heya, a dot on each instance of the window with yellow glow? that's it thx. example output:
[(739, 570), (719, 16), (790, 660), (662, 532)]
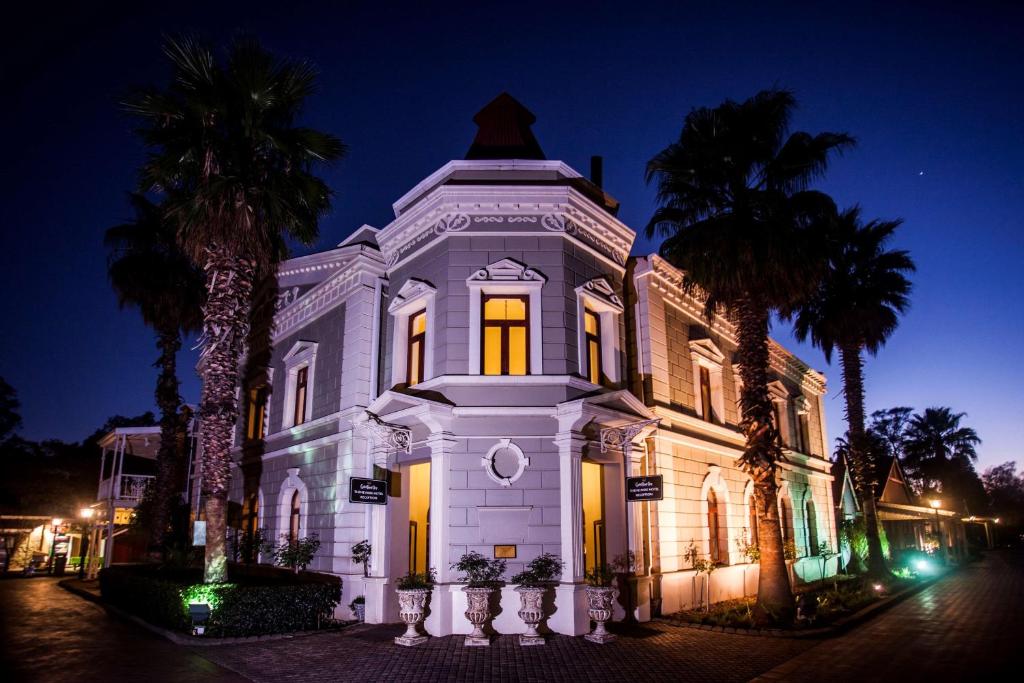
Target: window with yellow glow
[(301, 386), (592, 340), (705, 393), (505, 335), (257, 408), (293, 520), (416, 347)]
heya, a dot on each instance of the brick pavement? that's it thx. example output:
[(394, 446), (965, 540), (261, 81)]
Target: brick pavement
[(967, 627), (47, 634)]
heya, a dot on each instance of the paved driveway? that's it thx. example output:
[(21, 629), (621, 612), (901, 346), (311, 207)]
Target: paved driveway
[(47, 634)]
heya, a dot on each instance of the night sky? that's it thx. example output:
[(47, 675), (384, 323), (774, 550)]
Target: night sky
[(933, 94)]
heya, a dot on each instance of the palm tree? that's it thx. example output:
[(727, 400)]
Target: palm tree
[(856, 308), (237, 170), (148, 271), (740, 220), (938, 450)]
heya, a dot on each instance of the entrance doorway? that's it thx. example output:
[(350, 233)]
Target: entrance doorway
[(419, 518), (594, 528)]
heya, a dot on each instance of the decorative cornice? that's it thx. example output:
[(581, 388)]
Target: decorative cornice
[(708, 350), (412, 290), (602, 290), (506, 270), (318, 300)]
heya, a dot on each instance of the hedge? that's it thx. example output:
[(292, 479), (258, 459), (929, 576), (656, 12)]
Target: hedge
[(237, 609)]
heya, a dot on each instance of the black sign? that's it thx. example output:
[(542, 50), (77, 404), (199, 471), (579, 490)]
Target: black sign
[(644, 488), (370, 491)]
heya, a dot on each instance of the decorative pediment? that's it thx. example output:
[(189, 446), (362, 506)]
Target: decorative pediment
[(300, 348), (413, 290), (506, 270), (801, 405), (706, 350), (778, 391), (601, 289)]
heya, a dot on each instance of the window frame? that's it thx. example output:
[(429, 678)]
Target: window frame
[(506, 277), (257, 400), (598, 296), (414, 296), (505, 326), (302, 355), (412, 338), (593, 338), (705, 354), (301, 392)]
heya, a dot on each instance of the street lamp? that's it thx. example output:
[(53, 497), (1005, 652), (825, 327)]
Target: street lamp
[(936, 504), (55, 522)]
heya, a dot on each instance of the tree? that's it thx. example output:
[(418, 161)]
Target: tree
[(149, 271), (739, 220), (890, 426), (1005, 489), (940, 453), (237, 174), (855, 309), (10, 418)]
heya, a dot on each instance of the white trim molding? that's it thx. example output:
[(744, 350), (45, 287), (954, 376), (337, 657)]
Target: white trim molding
[(506, 276), (779, 395), (522, 462), (415, 295), (290, 485), (597, 295)]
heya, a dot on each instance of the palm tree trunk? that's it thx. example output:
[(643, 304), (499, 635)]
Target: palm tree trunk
[(861, 460), (229, 285), (168, 401), (760, 459)]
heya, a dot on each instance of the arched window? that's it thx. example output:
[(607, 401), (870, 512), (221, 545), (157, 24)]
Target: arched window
[(786, 519), (752, 508), (718, 544), (293, 520), (812, 528)]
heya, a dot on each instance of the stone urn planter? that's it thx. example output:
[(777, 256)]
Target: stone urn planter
[(412, 608), (599, 609), (478, 601), (531, 612)]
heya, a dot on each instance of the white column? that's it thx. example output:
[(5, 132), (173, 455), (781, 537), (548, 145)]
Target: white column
[(377, 584), (439, 621), (570, 617)]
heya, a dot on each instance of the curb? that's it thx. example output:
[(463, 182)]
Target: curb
[(179, 638), (833, 630)]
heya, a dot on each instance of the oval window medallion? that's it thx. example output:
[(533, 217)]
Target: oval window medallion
[(505, 462)]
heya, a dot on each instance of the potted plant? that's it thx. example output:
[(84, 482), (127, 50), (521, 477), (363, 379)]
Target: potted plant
[(533, 582), (413, 590), (358, 607), (361, 553), (600, 594), (482, 576)]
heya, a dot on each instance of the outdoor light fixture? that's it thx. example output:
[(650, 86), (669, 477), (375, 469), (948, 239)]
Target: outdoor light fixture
[(56, 521), (996, 520), (922, 565), (200, 614), (935, 503), (86, 513)]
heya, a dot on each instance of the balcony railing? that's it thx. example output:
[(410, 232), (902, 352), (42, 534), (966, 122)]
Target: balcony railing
[(126, 487)]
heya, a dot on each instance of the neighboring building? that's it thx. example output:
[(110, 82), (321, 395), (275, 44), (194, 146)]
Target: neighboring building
[(486, 352), (909, 522)]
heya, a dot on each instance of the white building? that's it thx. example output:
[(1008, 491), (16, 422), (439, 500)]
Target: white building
[(471, 352)]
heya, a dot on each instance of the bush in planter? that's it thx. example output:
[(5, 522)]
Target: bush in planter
[(413, 589), (601, 576), (413, 580), (479, 571), (533, 582), (541, 572)]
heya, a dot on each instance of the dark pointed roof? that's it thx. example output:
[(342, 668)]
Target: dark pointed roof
[(504, 131)]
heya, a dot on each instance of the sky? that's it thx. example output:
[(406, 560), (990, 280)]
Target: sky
[(931, 91)]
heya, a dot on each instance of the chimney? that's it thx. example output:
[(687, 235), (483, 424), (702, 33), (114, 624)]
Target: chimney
[(597, 171)]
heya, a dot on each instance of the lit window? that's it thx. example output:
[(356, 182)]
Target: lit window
[(592, 339), (506, 335), (804, 427), (753, 521), (257, 410), (705, 394), (777, 416), (416, 346), (293, 520), (714, 529), (812, 529), (301, 386), (786, 519)]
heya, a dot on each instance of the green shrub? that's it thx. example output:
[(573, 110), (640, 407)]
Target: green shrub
[(248, 608)]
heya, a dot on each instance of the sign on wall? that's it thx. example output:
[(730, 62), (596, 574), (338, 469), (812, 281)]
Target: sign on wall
[(644, 488), (199, 532), (368, 491)]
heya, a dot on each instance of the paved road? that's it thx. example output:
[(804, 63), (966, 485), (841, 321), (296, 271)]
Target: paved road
[(967, 627), (47, 634)]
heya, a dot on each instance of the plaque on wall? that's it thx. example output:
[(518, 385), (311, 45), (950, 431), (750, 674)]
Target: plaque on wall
[(644, 488), (368, 491)]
